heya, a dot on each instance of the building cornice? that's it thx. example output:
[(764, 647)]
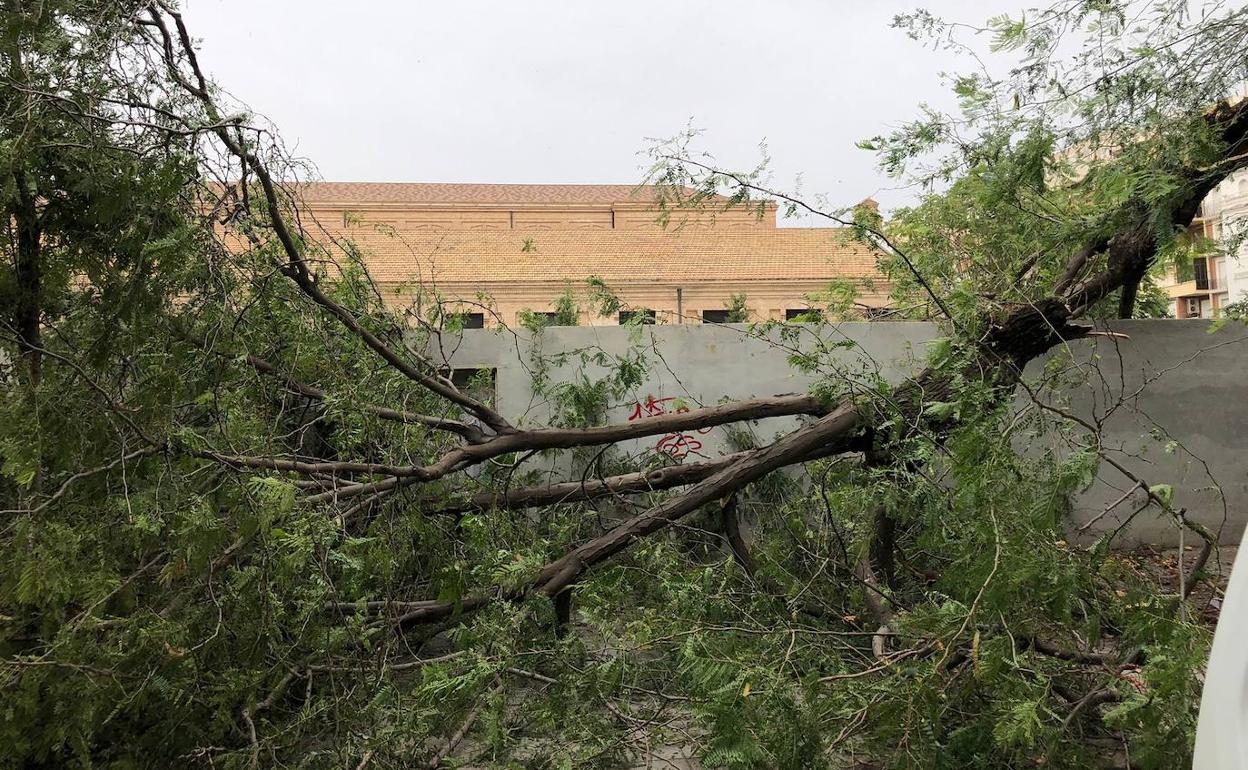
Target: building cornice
[(515, 207)]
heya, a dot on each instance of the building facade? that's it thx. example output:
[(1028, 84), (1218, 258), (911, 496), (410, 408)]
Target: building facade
[(1221, 276), (497, 252)]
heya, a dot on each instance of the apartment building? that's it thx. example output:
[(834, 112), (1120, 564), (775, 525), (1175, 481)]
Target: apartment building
[(1221, 277)]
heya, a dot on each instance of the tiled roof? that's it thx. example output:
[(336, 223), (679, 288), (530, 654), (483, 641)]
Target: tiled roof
[(618, 256), (497, 194)]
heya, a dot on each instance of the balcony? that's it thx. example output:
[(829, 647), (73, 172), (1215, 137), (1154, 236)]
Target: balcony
[(1209, 274), (1210, 283)]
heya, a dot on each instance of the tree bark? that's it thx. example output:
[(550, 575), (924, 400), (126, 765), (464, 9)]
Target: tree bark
[(1126, 300), (563, 612), (29, 274), (590, 489), (731, 523)]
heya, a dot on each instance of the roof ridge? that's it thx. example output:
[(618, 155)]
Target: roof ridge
[(494, 193), (475, 184)]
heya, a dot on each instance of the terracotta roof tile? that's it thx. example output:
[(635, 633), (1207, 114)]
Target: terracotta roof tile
[(618, 256), (501, 194)]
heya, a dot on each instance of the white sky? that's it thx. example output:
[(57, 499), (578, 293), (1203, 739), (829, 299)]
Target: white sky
[(567, 91)]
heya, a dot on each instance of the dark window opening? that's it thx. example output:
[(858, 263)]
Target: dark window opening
[(647, 316), (715, 316), (803, 315), (478, 383), (1200, 266), (473, 320)]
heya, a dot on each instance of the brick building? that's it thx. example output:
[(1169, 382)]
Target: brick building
[(521, 245)]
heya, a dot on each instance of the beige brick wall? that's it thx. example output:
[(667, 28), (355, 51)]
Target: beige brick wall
[(425, 222), (765, 302)]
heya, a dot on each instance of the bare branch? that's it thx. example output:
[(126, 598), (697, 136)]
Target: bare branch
[(296, 268), (470, 433)]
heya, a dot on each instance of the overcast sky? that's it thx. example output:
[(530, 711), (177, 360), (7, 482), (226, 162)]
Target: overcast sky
[(568, 91)]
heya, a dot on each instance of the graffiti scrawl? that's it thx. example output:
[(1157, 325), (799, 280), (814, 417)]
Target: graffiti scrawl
[(675, 445)]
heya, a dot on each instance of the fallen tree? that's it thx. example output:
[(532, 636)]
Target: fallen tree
[(283, 466)]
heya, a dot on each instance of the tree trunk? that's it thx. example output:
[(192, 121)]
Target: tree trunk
[(732, 531)]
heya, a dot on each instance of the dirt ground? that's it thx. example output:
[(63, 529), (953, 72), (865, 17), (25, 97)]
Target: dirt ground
[(1162, 565)]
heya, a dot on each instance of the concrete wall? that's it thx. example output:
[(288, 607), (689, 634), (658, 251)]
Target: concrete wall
[(1172, 397), (1183, 421)]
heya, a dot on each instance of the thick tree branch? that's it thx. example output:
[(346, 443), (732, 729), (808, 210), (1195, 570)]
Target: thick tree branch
[(1131, 251), (542, 439), (732, 532), (836, 433), (589, 489)]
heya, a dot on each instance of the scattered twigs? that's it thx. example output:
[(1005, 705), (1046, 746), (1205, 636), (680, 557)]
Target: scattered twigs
[(1179, 514), (1089, 701), (249, 713), (458, 736), (1202, 558), (406, 665), (1084, 527), (535, 676), (1075, 656), (79, 476), (378, 607), (979, 595), (885, 662), (470, 433)]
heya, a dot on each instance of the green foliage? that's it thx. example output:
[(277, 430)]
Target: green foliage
[(566, 312), (164, 603), (738, 310), (603, 301)]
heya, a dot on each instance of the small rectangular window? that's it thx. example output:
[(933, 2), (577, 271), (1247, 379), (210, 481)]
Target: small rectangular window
[(803, 315), (473, 320), (714, 316), (647, 316), (1201, 268), (540, 317), (478, 383)]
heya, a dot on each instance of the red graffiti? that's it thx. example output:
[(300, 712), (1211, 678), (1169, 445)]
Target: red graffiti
[(676, 445)]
